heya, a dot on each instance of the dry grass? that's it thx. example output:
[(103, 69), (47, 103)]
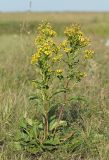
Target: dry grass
[(55, 17)]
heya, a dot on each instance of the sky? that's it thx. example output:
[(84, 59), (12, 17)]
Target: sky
[(54, 5)]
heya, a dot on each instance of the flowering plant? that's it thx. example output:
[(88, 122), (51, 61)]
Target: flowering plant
[(58, 68)]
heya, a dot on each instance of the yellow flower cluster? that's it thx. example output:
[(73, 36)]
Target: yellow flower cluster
[(49, 56), (84, 41), (44, 43), (57, 57), (75, 35), (83, 74), (80, 75), (65, 46), (35, 58), (72, 30), (59, 71), (46, 49), (65, 43), (88, 54), (44, 31)]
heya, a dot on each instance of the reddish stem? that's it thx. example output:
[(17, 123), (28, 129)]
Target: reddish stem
[(62, 108)]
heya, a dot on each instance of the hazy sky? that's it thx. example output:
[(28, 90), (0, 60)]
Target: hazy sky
[(55, 5)]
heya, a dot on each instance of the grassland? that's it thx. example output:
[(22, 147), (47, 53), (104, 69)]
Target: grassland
[(94, 23), (17, 32)]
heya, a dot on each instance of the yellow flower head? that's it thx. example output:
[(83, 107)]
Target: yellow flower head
[(65, 46), (88, 54), (76, 36), (46, 29), (57, 57), (35, 58), (59, 71), (44, 32), (72, 30), (84, 74), (84, 41)]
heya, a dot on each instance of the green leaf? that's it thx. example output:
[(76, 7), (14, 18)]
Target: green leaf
[(53, 141), (17, 146), (29, 121), (52, 118), (57, 92), (55, 124), (40, 126), (77, 98), (23, 123), (34, 149), (51, 144)]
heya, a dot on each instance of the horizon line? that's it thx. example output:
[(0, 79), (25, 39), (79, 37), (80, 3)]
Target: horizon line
[(55, 11)]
